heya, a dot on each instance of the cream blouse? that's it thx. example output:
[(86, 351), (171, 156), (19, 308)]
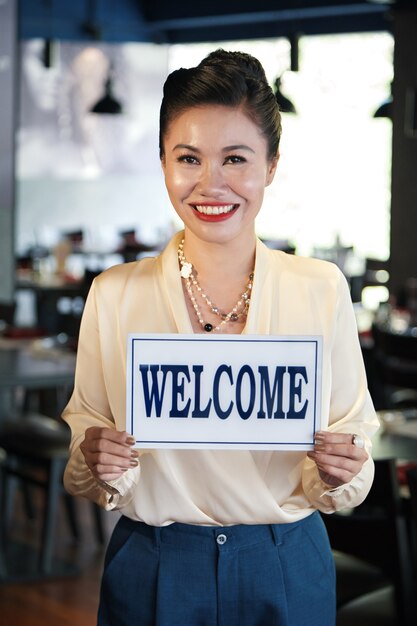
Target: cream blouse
[(291, 295)]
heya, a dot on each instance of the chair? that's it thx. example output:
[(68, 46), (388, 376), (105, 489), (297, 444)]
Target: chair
[(36, 449), (3, 568), (395, 369), (376, 533), (7, 313), (59, 310), (412, 484)]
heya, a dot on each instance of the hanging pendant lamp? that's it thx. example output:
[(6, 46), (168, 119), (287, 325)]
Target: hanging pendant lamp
[(108, 104), (385, 109), (284, 103)]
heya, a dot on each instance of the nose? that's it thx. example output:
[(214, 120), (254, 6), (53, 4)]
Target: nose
[(211, 180)]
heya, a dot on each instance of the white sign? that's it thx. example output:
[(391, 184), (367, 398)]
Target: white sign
[(224, 391)]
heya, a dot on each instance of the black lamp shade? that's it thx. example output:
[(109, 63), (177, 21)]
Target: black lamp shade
[(108, 103), (385, 109), (285, 105)]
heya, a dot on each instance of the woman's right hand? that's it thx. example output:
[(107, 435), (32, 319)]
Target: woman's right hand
[(108, 453)]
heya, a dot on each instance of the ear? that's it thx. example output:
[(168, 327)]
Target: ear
[(272, 168)]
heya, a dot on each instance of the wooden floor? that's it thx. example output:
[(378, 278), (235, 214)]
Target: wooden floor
[(63, 600)]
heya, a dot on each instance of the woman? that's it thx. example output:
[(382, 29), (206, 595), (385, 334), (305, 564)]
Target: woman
[(213, 537)]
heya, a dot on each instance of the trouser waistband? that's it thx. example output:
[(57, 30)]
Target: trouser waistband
[(194, 537)]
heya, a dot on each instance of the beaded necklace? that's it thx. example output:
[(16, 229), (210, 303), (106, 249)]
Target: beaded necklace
[(193, 288)]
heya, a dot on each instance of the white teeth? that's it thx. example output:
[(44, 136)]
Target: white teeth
[(214, 210)]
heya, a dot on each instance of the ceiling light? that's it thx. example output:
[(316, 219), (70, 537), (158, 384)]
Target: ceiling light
[(385, 109), (108, 103), (284, 103), (48, 53)]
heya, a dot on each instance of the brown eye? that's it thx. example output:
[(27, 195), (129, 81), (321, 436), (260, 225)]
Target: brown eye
[(187, 158), (234, 158)]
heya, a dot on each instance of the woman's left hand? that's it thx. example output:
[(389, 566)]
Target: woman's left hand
[(337, 458)]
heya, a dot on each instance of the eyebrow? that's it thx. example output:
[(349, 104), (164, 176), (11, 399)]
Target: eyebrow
[(238, 147), (185, 146)]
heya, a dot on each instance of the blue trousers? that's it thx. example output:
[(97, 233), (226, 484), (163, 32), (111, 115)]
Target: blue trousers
[(184, 575)]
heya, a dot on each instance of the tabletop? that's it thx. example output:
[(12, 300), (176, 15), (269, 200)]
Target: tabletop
[(31, 367), (37, 367), (397, 436)]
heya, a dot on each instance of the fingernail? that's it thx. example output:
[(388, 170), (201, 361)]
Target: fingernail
[(134, 454), (134, 463), (130, 440), (319, 435)]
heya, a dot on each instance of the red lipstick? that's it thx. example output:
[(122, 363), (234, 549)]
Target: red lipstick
[(201, 211)]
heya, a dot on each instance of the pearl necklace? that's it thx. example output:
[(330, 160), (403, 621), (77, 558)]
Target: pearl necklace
[(193, 287)]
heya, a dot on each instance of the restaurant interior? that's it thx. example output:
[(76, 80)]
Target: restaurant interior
[(81, 190)]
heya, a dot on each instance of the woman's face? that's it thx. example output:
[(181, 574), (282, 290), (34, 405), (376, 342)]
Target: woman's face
[(216, 170)]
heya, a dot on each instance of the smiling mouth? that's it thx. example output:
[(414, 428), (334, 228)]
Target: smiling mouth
[(224, 209)]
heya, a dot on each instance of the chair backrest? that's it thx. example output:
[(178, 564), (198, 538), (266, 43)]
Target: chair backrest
[(412, 483), (395, 344), (356, 532), (394, 373), (7, 312), (376, 532)]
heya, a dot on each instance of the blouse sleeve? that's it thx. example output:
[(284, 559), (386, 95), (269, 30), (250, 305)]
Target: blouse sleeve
[(351, 411), (89, 406)]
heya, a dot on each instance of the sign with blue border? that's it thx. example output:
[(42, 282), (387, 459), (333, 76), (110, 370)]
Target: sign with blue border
[(256, 392)]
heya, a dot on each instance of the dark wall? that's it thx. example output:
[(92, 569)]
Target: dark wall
[(403, 257)]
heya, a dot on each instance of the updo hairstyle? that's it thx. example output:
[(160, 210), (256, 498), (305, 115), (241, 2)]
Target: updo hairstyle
[(223, 78)]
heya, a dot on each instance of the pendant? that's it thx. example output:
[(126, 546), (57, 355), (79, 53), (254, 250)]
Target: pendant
[(186, 270), (208, 328)]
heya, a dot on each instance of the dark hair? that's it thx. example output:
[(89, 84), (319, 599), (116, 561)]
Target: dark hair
[(230, 79)]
